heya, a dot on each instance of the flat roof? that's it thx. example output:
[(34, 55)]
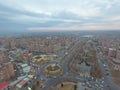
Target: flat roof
[(3, 85)]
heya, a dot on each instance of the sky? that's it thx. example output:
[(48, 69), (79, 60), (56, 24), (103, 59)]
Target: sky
[(35, 15)]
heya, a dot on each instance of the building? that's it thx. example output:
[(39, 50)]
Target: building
[(24, 68), (21, 84), (112, 52), (4, 86), (2, 56), (105, 50), (6, 71), (118, 54)]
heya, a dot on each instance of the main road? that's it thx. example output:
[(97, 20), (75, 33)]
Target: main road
[(63, 62), (109, 83)]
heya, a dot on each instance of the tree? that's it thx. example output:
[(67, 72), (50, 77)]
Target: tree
[(37, 83), (75, 87), (62, 85), (33, 87)]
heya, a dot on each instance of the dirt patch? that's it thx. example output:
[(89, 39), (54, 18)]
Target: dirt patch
[(67, 87)]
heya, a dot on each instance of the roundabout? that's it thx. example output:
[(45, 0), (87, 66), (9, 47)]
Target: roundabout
[(53, 70)]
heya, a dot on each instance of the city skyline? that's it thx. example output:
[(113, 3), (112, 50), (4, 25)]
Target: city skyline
[(54, 15)]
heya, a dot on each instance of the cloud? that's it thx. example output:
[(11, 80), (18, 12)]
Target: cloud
[(62, 14)]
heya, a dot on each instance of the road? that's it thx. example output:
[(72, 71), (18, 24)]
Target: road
[(69, 75), (63, 63), (50, 81), (110, 85)]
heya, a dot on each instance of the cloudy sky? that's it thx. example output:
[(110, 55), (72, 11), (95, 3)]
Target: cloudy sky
[(59, 15)]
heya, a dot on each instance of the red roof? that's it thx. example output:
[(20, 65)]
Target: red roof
[(3, 84), (26, 54), (23, 82)]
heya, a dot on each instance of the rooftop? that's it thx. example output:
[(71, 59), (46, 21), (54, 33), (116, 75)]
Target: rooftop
[(3, 85)]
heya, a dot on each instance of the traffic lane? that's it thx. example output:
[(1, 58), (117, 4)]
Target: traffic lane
[(108, 78)]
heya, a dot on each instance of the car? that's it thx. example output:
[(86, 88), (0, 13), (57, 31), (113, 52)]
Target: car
[(90, 86), (54, 77), (106, 69), (89, 79), (92, 78), (108, 86), (66, 53), (43, 86), (87, 83), (96, 80), (101, 86), (104, 65), (41, 78), (107, 74), (83, 84), (102, 81), (96, 85)]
